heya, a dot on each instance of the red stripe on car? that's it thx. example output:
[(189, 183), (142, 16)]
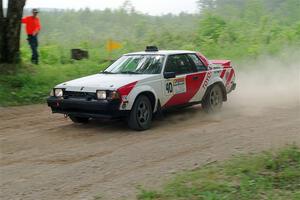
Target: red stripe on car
[(230, 77), (203, 58), (192, 87), (223, 73), (126, 89)]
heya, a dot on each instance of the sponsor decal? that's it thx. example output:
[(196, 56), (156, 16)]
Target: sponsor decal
[(179, 86), (205, 84), (176, 86)]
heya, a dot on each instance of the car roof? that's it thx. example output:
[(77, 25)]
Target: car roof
[(160, 52)]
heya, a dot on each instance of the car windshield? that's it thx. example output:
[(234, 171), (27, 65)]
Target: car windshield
[(136, 64)]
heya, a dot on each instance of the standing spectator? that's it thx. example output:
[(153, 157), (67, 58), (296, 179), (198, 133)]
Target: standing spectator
[(33, 27)]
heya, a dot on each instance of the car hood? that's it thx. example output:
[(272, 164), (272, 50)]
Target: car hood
[(103, 82)]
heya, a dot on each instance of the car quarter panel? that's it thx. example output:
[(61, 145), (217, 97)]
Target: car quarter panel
[(227, 75), (151, 84), (205, 78)]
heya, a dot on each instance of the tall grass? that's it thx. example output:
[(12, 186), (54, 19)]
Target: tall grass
[(29, 84)]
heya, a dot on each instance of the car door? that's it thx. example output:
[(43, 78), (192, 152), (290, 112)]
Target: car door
[(181, 89), (196, 88)]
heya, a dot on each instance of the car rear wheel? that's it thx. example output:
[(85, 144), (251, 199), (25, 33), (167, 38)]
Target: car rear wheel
[(140, 117), (79, 120), (213, 100)]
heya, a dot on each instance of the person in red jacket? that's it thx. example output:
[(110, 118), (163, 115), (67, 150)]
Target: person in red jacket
[(33, 28)]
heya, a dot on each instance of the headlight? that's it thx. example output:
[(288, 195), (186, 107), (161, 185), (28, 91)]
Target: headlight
[(101, 94), (58, 92)]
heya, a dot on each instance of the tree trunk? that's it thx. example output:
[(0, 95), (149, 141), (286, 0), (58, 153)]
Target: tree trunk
[(1, 10), (10, 40), (2, 31)]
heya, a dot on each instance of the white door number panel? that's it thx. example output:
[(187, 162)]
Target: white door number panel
[(175, 86)]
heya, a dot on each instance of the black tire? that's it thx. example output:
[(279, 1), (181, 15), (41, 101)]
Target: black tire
[(79, 120), (213, 99), (140, 117)]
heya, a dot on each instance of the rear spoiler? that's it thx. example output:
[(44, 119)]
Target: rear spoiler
[(224, 63)]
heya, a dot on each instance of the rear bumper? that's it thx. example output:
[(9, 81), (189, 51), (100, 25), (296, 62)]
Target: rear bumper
[(232, 88), (86, 108)]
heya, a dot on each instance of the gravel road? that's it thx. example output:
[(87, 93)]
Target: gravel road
[(45, 156)]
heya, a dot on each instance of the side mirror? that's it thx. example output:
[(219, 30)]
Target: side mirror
[(168, 75)]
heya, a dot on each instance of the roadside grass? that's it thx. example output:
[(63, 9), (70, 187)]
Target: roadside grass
[(267, 175), (25, 83), (29, 84)]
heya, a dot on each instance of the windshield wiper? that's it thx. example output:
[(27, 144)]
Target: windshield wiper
[(129, 72), (106, 72)]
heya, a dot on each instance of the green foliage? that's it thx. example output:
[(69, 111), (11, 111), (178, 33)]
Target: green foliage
[(264, 176), (33, 84), (224, 29), (232, 29), (286, 12), (71, 28), (238, 29)]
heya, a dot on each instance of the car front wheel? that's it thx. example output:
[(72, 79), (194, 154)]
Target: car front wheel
[(140, 117)]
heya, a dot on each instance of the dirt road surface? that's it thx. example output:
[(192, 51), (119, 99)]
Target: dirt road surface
[(45, 156)]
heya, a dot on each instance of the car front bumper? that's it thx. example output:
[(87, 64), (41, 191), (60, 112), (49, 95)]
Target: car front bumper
[(86, 108)]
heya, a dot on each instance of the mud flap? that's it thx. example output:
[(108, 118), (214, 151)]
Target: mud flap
[(232, 88)]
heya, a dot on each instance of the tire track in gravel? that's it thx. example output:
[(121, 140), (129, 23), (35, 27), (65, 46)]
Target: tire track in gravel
[(45, 156)]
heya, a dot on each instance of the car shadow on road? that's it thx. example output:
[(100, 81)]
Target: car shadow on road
[(170, 118)]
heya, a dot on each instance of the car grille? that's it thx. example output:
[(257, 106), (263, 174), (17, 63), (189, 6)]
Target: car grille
[(79, 95)]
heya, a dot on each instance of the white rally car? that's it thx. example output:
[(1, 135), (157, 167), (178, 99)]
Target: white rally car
[(138, 85)]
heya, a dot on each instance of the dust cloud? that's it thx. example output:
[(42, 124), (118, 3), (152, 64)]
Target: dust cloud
[(267, 82)]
